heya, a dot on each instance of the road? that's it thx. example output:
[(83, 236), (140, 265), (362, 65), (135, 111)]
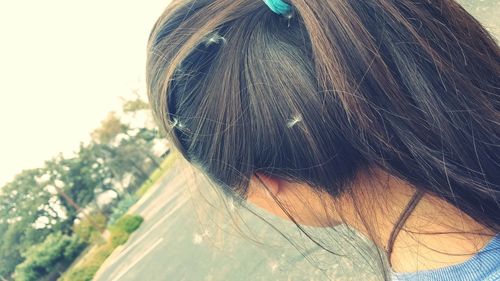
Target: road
[(189, 234)]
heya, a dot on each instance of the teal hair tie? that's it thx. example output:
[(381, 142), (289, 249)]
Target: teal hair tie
[(278, 6)]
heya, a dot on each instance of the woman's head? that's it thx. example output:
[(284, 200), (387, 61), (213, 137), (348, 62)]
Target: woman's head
[(330, 92)]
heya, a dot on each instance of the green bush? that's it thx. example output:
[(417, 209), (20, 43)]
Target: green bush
[(55, 252), (121, 208), (102, 254), (121, 230), (118, 237), (128, 223), (88, 269), (83, 274)]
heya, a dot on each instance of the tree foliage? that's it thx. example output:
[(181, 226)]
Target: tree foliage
[(40, 205), (109, 129), (88, 230), (135, 105), (48, 257)]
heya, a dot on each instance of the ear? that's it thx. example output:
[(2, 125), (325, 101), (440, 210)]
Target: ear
[(262, 192), (287, 199), (268, 183)]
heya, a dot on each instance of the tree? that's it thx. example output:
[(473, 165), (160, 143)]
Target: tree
[(109, 129), (135, 105), (22, 200), (10, 249), (47, 200), (76, 180), (50, 257)]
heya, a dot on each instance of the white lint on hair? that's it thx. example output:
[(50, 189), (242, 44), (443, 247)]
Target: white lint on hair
[(177, 124), (289, 17), (214, 38), (295, 119)]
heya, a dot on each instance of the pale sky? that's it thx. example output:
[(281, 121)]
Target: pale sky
[(63, 66)]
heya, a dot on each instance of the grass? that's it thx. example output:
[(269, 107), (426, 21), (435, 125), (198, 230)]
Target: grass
[(120, 232), (164, 166), (86, 270)]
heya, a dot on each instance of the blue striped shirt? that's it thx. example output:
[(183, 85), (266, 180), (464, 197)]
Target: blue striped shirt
[(483, 266)]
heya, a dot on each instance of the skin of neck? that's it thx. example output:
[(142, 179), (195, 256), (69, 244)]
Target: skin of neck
[(435, 235)]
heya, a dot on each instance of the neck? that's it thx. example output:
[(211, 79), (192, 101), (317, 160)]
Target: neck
[(435, 234)]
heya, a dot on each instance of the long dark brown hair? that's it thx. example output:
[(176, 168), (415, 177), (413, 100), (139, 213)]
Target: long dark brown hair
[(331, 89)]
